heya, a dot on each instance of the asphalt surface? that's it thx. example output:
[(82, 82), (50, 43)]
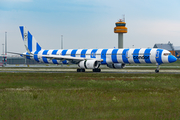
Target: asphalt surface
[(61, 70)]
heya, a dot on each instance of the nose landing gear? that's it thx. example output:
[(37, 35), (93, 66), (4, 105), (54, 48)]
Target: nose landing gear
[(156, 70), (158, 67)]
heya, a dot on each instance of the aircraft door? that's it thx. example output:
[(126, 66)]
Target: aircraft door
[(157, 54), (127, 56)]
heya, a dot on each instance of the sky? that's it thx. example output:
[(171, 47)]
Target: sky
[(89, 23)]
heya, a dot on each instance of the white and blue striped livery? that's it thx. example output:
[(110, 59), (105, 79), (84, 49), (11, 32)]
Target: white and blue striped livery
[(93, 58)]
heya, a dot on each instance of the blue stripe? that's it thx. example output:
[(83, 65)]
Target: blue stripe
[(54, 61), (22, 31), (64, 53), (135, 55), (147, 55), (38, 47), (73, 53), (93, 53), (35, 56), (28, 57), (44, 58), (83, 53), (103, 56), (114, 56), (29, 41), (54, 53), (159, 60), (124, 56), (64, 62)]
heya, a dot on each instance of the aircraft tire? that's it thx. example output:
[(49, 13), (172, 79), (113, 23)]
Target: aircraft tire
[(156, 71), (96, 70), (80, 70)]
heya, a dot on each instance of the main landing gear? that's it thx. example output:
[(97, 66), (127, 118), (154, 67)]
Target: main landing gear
[(157, 69), (80, 70), (83, 70), (97, 70)]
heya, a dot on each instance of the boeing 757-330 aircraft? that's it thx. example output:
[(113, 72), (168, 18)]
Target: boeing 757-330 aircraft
[(93, 58)]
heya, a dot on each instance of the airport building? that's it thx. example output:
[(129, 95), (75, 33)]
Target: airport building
[(175, 50), (14, 59)]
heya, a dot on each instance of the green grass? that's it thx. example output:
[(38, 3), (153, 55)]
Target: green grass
[(89, 96)]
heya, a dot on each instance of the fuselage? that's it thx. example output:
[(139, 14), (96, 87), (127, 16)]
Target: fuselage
[(108, 56)]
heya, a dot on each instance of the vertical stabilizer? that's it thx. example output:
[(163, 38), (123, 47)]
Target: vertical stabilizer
[(30, 42)]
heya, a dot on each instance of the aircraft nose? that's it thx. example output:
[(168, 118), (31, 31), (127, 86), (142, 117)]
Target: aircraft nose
[(172, 59)]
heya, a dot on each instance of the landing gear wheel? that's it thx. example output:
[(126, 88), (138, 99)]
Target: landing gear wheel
[(158, 67), (80, 70), (96, 70), (157, 71)]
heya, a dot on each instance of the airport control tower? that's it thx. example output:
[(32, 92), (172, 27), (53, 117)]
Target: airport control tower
[(120, 29)]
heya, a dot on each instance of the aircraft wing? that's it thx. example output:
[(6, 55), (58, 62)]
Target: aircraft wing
[(59, 57), (69, 58), (30, 55)]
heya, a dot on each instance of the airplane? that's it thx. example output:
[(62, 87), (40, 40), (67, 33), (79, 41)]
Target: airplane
[(93, 58)]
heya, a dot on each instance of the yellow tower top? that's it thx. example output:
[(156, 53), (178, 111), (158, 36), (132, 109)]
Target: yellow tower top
[(120, 27)]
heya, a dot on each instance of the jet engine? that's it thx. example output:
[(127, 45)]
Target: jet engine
[(116, 65), (89, 64)]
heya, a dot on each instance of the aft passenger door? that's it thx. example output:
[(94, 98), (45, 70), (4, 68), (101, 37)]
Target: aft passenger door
[(127, 56), (157, 54)]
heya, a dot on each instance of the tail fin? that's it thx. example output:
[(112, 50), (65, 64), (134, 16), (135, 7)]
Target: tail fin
[(29, 41)]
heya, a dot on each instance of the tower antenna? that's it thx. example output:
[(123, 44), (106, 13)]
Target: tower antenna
[(124, 18)]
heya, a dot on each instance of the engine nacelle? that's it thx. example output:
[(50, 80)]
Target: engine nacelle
[(89, 64), (116, 65)]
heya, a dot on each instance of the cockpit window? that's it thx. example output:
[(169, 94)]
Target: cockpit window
[(166, 54)]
